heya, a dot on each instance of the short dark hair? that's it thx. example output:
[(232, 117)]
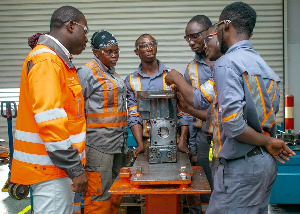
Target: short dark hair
[(214, 28), (202, 20), (242, 17), (64, 14), (145, 34)]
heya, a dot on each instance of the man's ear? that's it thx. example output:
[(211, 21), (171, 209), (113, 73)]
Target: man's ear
[(70, 26), (95, 52), (136, 52), (226, 26)]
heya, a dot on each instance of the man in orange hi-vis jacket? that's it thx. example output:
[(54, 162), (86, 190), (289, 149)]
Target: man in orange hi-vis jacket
[(49, 149)]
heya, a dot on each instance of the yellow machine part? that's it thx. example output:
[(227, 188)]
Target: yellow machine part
[(5, 187)]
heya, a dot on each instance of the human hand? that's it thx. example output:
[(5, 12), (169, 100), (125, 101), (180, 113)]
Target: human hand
[(194, 159), (182, 147), (182, 104), (80, 184), (172, 76), (279, 150), (138, 150)]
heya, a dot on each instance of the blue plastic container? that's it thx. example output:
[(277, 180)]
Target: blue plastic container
[(286, 189)]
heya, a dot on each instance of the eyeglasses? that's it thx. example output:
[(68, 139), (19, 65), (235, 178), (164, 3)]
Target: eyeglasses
[(147, 46), (110, 53), (85, 28), (208, 37), (222, 22), (193, 36)]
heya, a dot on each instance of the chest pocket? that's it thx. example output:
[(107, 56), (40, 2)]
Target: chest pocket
[(76, 102), (107, 98)]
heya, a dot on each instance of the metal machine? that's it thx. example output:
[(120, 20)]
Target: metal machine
[(163, 173), (160, 109)]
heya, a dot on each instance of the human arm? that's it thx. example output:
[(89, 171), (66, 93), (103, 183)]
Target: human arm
[(137, 131), (276, 147), (185, 107), (182, 124), (233, 103), (199, 98), (182, 144), (187, 91), (134, 119), (49, 93)]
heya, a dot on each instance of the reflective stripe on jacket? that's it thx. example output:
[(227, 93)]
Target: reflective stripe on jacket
[(51, 127), (113, 112), (198, 73), (247, 96), (105, 107)]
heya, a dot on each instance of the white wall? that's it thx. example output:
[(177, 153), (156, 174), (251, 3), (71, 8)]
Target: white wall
[(293, 50)]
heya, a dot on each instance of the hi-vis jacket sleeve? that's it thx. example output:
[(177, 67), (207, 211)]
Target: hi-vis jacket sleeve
[(45, 88), (204, 95)]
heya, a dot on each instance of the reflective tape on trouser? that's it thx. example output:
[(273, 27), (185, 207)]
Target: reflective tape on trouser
[(77, 204), (204, 207)]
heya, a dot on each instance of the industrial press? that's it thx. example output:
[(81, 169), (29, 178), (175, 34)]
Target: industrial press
[(163, 173)]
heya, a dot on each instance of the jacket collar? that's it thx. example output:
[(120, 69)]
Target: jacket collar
[(57, 47), (161, 68), (102, 67), (241, 44)]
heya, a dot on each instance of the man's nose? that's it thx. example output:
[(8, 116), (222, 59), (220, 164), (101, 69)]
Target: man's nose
[(191, 42)]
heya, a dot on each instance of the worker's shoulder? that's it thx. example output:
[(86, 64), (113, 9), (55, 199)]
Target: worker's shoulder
[(41, 53), (134, 74), (194, 61), (86, 69)]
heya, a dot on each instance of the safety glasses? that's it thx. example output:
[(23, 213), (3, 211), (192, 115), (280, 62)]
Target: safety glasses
[(194, 36), (110, 53), (222, 22), (208, 37), (85, 28), (147, 46)]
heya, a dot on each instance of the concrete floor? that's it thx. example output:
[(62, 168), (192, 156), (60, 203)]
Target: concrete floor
[(9, 205)]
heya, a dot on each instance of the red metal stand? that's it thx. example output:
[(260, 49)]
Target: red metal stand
[(162, 204)]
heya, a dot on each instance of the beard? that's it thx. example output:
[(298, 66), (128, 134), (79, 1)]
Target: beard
[(200, 53), (222, 44)]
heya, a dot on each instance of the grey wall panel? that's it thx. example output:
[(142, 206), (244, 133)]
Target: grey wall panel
[(165, 20)]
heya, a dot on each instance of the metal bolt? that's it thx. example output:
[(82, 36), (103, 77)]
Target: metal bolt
[(183, 173)]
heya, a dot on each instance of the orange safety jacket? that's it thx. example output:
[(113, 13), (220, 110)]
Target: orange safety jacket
[(51, 127)]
